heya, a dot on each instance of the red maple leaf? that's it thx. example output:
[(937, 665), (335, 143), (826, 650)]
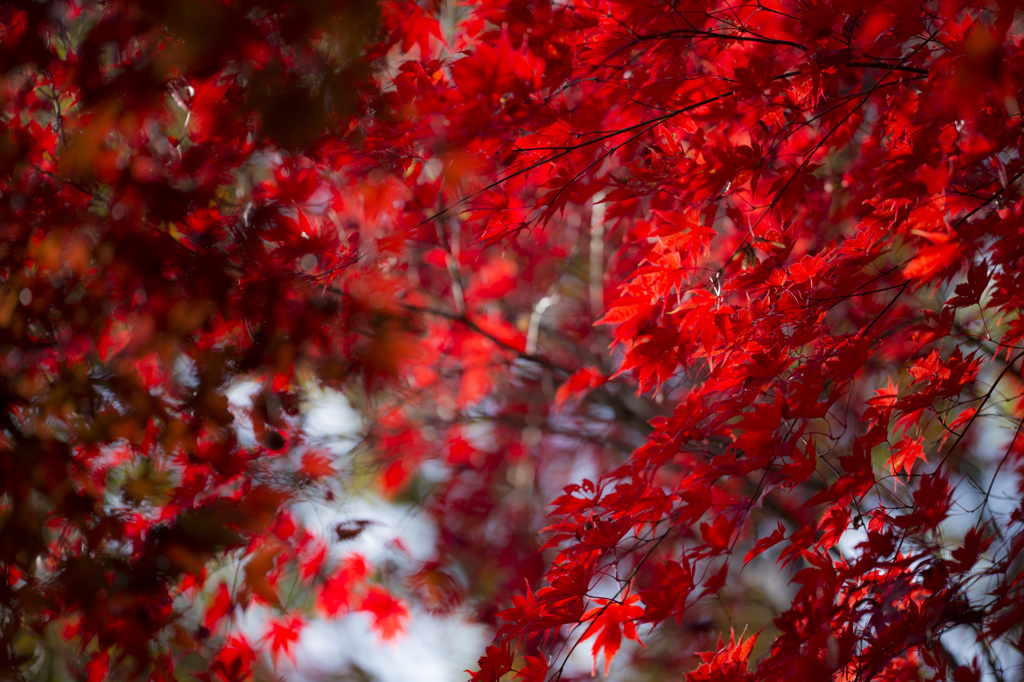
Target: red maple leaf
[(389, 614), (935, 259), (281, 635), (611, 621), (905, 453), (728, 664)]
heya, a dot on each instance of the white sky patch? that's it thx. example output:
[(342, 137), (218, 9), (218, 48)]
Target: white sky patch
[(395, 532), (240, 398), (330, 417)]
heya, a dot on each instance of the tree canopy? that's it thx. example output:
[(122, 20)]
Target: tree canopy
[(693, 327)]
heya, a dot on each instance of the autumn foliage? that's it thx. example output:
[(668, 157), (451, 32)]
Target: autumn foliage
[(694, 328)]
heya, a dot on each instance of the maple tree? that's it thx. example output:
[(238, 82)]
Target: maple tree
[(642, 304)]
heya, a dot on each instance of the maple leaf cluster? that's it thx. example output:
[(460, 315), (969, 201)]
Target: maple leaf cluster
[(673, 319)]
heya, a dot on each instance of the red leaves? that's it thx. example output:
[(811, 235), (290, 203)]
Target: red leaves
[(578, 384), (970, 550), (346, 589), (970, 292), (316, 465), (389, 614), (494, 279), (766, 542), (234, 662), (728, 664), (938, 258), (629, 313), (97, 668), (415, 27), (668, 591), (611, 621), (832, 525), (493, 70), (718, 533), (534, 669), (218, 608), (336, 594), (904, 454), (281, 635), (764, 212), (931, 501), (550, 607), (496, 661)]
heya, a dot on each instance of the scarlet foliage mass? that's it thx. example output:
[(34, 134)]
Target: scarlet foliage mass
[(676, 318)]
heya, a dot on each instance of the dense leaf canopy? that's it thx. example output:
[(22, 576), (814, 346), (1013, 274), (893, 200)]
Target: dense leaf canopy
[(681, 322)]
